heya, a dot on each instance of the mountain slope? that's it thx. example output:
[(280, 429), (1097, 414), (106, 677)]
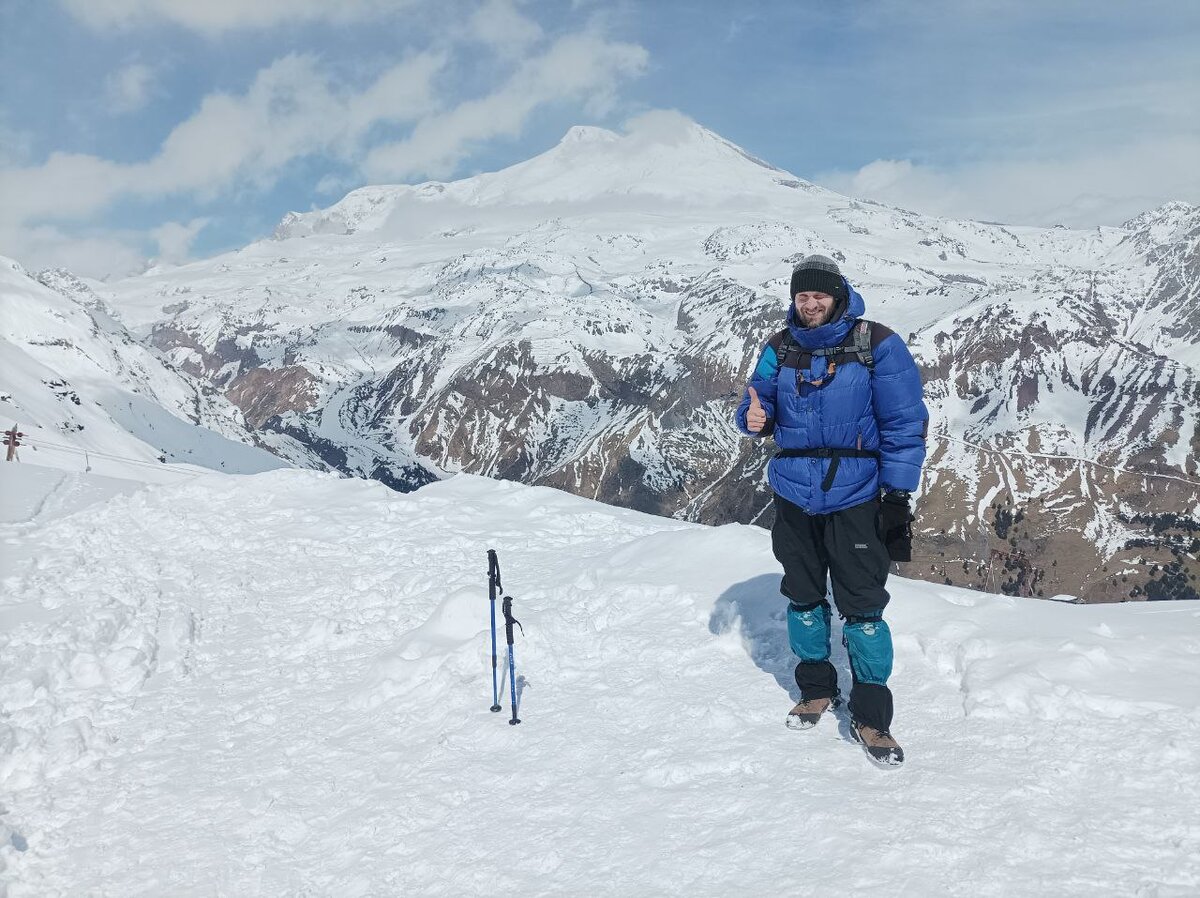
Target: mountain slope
[(586, 320), (87, 395), (299, 666)]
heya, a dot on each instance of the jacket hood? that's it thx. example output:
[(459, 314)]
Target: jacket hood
[(832, 333)]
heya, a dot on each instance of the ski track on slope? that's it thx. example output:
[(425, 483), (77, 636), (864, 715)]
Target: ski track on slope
[(278, 685)]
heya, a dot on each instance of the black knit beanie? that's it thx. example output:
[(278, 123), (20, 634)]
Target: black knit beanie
[(822, 275)]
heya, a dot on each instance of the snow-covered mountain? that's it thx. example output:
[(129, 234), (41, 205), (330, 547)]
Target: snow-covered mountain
[(586, 319), (298, 666), (87, 395)]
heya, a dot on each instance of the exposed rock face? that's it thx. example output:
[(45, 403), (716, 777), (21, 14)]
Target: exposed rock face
[(594, 336), (263, 393)]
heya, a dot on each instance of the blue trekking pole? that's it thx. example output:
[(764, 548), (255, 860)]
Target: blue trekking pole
[(493, 587), (509, 620)]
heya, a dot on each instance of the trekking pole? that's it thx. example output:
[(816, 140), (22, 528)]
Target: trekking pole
[(509, 620), (493, 587)]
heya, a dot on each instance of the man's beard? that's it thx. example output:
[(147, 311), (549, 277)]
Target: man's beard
[(820, 320)]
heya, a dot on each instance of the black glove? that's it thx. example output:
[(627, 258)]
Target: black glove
[(895, 525)]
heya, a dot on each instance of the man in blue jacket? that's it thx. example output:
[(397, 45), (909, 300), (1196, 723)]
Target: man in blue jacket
[(842, 397)]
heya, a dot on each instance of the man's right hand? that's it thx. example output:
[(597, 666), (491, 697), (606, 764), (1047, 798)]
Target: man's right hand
[(756, 416)]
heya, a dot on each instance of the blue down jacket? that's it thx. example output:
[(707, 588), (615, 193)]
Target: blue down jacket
[(857, 408)]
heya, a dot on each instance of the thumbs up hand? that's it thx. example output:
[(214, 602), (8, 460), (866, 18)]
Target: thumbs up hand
[(756, 416)]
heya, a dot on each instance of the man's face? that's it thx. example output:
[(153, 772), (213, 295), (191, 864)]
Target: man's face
[(813, 308)]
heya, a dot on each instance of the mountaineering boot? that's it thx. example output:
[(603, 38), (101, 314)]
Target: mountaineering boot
[(879, 744), (806, 714)]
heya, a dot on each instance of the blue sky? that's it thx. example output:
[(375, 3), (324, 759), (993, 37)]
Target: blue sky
[(179, 128)]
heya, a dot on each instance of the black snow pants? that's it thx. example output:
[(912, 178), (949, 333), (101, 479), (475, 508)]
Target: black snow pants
[(848, 547)]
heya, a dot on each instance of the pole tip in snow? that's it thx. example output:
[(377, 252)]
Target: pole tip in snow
[(495, 707)]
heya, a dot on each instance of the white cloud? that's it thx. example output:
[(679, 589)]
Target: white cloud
[(292, 109), (1106, 185), (1077, 145), (109, 255), (216, 16), (67, 185), (501, 26), (130, 88), (401, 94), (660, 126), (579, 67), (103, 255), (334, 184), (175, 239)]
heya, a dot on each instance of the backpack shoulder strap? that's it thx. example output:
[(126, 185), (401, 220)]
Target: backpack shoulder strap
[(862, 345), (785, 347), (877, 333)]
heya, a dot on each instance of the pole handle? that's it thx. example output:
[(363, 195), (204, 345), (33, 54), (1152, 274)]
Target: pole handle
[(509, 620), (494, 570)]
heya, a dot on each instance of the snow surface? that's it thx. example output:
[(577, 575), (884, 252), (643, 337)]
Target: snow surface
[(278, 684)]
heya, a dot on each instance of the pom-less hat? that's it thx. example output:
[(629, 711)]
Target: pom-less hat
[(819, 274)]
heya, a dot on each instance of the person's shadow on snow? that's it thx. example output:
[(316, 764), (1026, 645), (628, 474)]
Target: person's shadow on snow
[(759, 610)]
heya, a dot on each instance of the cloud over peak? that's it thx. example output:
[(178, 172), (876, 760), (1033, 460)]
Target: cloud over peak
[(580, 67)]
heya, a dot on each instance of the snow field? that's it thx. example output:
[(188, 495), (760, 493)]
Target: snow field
[(279, 685)]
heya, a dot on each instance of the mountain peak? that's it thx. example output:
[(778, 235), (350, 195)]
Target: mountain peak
[(661, 154), (1168, 218), (661, 128), (588, 134)]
